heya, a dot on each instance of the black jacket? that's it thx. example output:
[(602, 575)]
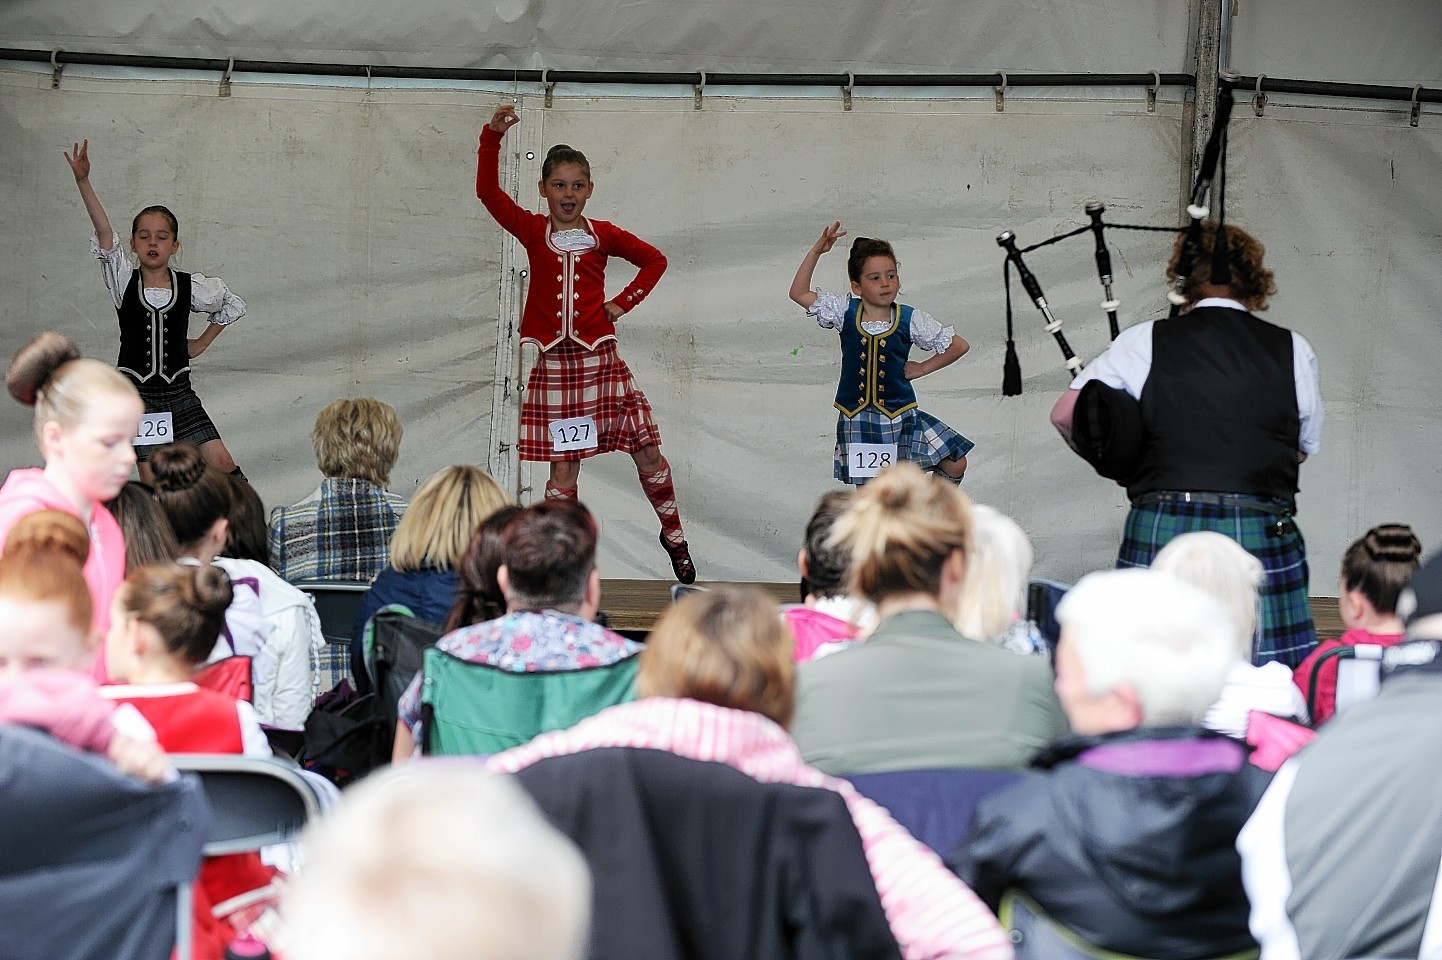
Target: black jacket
[(696, 860), (1128, 840)]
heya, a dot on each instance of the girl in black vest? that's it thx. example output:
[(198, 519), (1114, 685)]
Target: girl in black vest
[(154, 303)]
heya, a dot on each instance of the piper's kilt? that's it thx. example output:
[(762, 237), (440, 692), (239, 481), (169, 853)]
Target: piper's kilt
[(570, 381), (1286, 633), (919, 437), (188, 416)]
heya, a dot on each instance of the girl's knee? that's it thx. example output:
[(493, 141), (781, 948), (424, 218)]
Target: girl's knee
[(648, 459), (218, 456)]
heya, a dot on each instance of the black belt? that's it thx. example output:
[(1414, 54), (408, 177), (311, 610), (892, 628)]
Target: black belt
[(1277, 508)]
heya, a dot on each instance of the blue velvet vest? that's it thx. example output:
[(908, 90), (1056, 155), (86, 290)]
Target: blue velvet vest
[(872, 367)]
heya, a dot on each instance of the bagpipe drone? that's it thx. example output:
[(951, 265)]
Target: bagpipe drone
[(1213, 158)]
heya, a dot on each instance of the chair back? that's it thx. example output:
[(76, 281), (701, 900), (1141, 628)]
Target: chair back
[(255, 802), (1036, 935), (935, 806), (94, 865), (230, 676), (396, 642), (338, 604), (475, 708), (1042, 597), (1359, 676)]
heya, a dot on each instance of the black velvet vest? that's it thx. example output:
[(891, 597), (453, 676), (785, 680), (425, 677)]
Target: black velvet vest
[(153, 341)]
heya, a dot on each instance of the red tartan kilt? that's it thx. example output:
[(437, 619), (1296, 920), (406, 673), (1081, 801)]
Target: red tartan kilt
[(570, 381)]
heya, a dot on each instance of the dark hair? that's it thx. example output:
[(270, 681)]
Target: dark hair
[(478, 595), (164, 212), (826, 564), (1251, 282), (192, 493), (549, 550), (185, 603), (248, 536), (148, 535), (36, 363), (1382, 563), (863, 249), (564, 153)]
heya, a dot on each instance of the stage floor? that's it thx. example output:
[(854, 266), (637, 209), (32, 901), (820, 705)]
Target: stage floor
[(633, 605)]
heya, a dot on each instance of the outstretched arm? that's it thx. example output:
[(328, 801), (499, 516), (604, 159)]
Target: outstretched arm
[(801, 292), (80, 166), (954, 351), (514, 220)]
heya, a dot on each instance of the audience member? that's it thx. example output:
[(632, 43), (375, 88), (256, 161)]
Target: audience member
[(1341, 857), (445, 862), (717, 682), (268, 620), (85, 417), (1375, 569), (917, 694), (992, 605), (148, 537), (552, 590), (828, 619), (1128, 838), (1219, 567), (342, 530), (246, 535), (427, 548), (478, 592)]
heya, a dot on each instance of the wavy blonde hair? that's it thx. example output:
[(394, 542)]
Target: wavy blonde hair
[(357, 438), (443, 516)]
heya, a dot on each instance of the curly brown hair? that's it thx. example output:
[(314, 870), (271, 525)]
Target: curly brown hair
[(1251, 283)]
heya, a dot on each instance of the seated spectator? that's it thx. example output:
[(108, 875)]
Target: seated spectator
[(828, 619), (342, 530), (46, 648), (1128, 838), (478, 592), (1375, 569), (381, 882), (1219, 567), (548, 575), (148, 537), (917, 694), (1341, 857), (717, 682), (992, 605), (428, 545), (268, 620), (246, 536)]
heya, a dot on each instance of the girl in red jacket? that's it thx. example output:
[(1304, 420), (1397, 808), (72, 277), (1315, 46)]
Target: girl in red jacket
[(581, 399)]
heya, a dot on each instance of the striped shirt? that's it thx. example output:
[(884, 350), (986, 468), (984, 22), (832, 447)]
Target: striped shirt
[(932, 913)]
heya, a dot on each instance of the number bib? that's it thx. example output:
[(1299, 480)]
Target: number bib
[(869, 459), (155, 428), (578, 433)]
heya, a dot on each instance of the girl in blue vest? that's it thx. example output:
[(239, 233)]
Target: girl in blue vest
[(154, 303), (877, 403)]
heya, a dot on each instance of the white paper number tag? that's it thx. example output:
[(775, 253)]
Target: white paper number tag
[(155, 428), (578, 433), (869, 459)]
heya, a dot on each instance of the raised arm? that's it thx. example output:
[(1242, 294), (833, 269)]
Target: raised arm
[(801, 292), (80, 166), (509, 214)]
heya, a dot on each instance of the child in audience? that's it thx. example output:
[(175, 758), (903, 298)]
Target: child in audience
[(875, 396), (247, 536), (1374, 571), (829, 619), (478, 591), (86, 414), (46, 648), (992, 606), (580, 389), (148, 537), (154, 302)]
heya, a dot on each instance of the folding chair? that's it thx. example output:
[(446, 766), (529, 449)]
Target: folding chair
[(475, 708), (94, 865), (338, 604), (935, 806), (1042, 596), (1036, 935), (1359, 675), (254, 802)]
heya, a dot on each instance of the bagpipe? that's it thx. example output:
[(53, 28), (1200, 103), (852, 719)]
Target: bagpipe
[(1190, 254)]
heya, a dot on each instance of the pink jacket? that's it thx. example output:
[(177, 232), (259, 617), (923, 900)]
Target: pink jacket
[(28, 491)]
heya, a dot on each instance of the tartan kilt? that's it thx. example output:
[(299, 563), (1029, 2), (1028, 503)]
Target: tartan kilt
[(571, 381), (188, 416), (1286, 631), (919, 437)]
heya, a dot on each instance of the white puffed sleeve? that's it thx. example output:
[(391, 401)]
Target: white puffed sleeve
[(115, 266), (211, 295), (928, 333), (829, 309)]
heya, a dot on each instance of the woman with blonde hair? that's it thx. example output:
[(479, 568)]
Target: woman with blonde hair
[(918, 694), (427, 549), (992, 606), (717, 684)]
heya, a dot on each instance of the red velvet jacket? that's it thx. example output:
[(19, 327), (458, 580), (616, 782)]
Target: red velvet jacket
[(567, 294)]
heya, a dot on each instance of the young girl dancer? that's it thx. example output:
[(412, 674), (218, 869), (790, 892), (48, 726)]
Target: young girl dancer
[(875, 397), (154, 303), (1375, 569), (580, 399), (86, 414)]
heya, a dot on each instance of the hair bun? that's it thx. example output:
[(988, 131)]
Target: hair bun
[(205, 589), (36, 363), (177, 466), (49, 531), (1393, 543)]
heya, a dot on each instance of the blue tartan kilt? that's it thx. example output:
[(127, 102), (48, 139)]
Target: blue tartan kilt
[(1285, 633), (919, 437)]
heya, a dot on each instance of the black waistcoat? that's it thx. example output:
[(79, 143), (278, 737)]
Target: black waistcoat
[(153, 340)]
